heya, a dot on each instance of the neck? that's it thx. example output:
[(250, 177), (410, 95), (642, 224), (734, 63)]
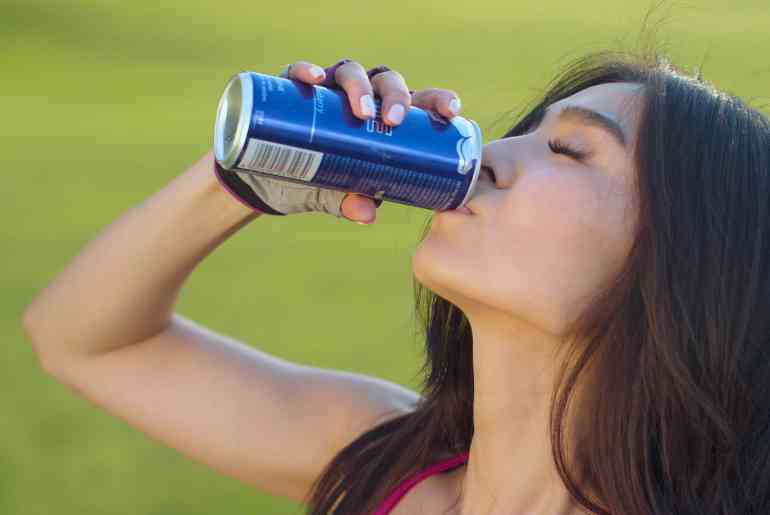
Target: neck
[(510, 468)]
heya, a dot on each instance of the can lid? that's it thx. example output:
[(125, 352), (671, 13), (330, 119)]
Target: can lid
[(233, 118), (475, 157)]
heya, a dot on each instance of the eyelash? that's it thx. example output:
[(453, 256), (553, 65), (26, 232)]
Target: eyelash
[(557, 147)]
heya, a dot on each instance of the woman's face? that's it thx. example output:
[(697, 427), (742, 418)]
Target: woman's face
[(548, 230)]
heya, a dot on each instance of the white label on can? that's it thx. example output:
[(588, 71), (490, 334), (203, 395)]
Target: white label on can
[(278, 159)]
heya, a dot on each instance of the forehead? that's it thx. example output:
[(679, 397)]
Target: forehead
[(621, 101)]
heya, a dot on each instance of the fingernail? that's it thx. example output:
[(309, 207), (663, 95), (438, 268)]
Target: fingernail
[(454, 106), (367, 105), (316, 71), (396, 113)]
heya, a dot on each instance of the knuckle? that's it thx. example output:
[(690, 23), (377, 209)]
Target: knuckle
[(353, 75), (352, 68), (394, 75), (357, 66), (389, 77), (300, 65), (391, 84)]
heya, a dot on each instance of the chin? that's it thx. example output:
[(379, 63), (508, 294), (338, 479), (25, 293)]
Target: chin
[(436, 267), (422, 261)]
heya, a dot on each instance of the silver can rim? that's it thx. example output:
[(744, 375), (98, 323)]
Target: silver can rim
[(230, 135), (476, 171)]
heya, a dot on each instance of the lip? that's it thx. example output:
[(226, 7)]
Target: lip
[(463, 210)]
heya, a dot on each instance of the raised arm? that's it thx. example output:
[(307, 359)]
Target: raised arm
[(106, 327)]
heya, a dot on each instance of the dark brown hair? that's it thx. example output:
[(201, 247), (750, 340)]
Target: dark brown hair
[(678, 344)]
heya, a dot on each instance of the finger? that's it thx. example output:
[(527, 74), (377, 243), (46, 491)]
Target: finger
[(353, 79), (303, 71), (443, 101), (396, 100), (358, 208)]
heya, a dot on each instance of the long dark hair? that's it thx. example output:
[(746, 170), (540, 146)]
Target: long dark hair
[(677, 345)]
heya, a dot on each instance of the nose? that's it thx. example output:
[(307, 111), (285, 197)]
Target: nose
[(497, 159)]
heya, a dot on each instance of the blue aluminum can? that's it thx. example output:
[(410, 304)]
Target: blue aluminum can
[(289, 130)]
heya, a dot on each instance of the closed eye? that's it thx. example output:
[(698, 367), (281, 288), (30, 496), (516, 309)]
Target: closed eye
[(557, 147)]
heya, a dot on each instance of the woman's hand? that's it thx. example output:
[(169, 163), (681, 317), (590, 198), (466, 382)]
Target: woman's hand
[(391, 87)]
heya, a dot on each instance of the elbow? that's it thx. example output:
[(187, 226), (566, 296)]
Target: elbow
[(30, 329)]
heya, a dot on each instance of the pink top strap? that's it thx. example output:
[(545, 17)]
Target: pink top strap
[(407, 485)]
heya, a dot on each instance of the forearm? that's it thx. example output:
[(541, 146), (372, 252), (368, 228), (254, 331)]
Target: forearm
[(122, 287)]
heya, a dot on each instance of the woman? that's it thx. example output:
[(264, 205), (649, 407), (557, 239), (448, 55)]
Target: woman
[(597, 338)]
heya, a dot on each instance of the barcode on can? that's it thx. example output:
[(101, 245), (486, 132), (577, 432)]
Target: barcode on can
[(278, 159)]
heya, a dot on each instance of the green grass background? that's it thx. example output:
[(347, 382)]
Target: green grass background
[(104, 102)]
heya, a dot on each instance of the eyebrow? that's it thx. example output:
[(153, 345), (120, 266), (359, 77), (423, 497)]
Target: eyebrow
[(595, 119)]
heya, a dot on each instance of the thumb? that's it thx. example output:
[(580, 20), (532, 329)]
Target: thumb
[(358, 208)]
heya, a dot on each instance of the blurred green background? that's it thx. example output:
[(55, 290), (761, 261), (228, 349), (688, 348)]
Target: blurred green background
[(104, 102)]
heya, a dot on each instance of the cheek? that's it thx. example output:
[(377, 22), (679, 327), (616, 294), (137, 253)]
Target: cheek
[(559, 238), (550, 216), (540, 251)]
